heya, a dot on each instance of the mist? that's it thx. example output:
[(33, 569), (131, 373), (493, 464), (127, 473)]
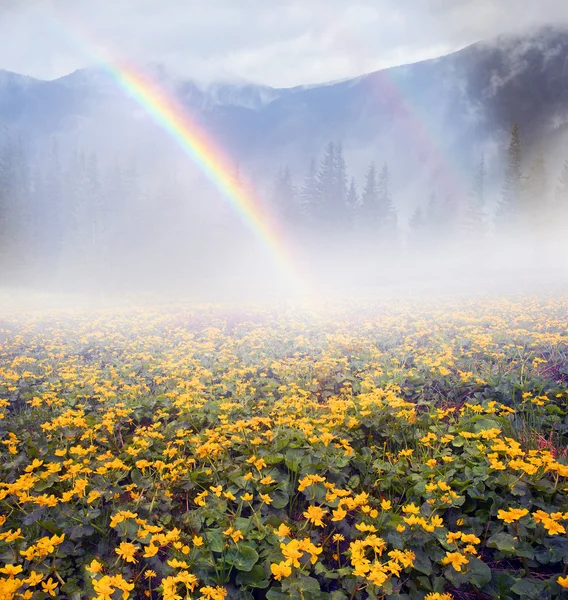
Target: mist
[(425, 178)]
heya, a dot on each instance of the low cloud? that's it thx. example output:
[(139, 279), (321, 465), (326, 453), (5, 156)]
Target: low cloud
[(279, 43)]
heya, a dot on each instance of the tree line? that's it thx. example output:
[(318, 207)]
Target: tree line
[(71, 212)]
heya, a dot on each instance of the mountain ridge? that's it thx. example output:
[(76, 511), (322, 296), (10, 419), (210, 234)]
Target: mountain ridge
[(416, 116)]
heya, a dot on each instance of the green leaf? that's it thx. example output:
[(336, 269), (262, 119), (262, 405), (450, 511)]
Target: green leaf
[(242, 556), (215, 540), (277, 595), (255, 578), (294, 458), (422, 563), (308, 584), (80, 531), (503, 542), (354, 482), (528, 588), (279, 499), (478, 572)]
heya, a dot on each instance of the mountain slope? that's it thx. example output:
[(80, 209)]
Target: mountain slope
[(435, 116)]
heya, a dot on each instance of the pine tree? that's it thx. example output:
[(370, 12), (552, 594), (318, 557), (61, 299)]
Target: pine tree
[(309, 195), (284, 197), (509, 207), (418, 230), (386, 211), (370, 215), (339, 197), (433, 218), (352, 202), (53, 211), (15, 210), (536, 205), (324, 209), (473, 224)]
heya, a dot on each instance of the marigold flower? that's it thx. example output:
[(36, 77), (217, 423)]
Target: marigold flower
[(49, 587), (279, 570), (512, 515), (456, 559), (126, 551), (315, 515), (282, 531)]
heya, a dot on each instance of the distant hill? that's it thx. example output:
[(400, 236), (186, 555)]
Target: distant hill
[(433, 117)]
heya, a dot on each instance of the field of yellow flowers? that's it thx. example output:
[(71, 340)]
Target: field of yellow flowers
[(409, 451)]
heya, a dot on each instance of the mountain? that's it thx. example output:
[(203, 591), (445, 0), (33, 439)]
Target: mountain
[(433, 117)]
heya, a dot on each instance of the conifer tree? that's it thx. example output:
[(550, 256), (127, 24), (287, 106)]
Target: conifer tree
[(473, 224), (386, 211), (339, 197), (284, 196), (309, 195), (509, 206), (326, 188), (536, 205), (352, 202), (418, 226), (370, 212)]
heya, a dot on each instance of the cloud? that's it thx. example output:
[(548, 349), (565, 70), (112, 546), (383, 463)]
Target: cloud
[(277, 42)]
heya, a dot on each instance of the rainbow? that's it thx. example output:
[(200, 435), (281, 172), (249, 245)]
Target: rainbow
[(173, 118), (168, 113)]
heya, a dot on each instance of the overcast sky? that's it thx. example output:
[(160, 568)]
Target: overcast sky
[(276, 42)]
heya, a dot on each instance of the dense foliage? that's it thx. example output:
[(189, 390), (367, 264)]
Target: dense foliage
[(402, 451)]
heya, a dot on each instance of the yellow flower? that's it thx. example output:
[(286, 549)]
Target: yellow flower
[(177, 564), (246, 497), (512, 515), (292, 552), (338, 514), (265, 498), (34, 578), (49, 586), (151, 550), (216, 490), (197, 541), (11, 570), (234, 534), (126, 551), (200, 498), (366, 527), (282, 530), (315, 515), (386, 504), (282, 569), (94, 567), (563, 581), (553, 527), (456, 559), (411, 508)]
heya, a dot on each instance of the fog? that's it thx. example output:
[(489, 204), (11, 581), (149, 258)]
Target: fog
[(108, 209)]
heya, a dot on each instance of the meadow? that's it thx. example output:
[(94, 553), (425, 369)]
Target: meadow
[(409, 450)]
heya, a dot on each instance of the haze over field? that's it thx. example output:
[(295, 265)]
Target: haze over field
[(182, 149)]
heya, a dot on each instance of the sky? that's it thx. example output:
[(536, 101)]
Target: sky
[(280, 43)]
